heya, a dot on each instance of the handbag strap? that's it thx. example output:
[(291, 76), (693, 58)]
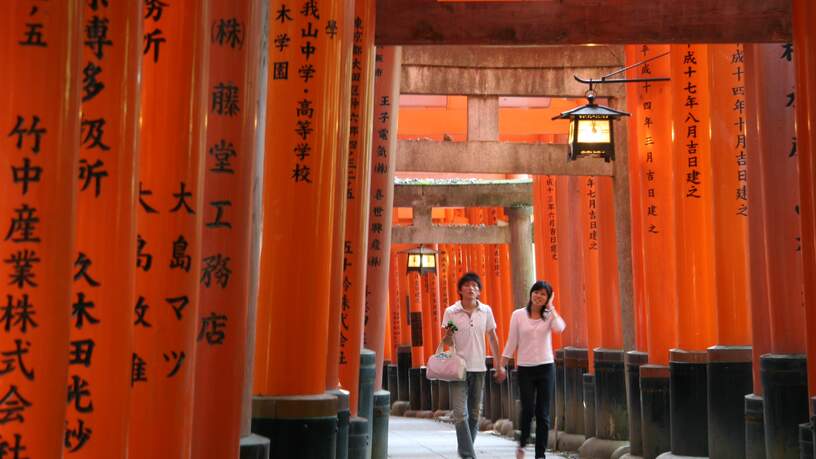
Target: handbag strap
[(441, 347)]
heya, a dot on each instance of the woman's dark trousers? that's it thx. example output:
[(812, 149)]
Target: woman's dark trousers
[(536, 385)]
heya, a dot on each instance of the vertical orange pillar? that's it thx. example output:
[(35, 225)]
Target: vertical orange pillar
[(234, 43), (345, 22), (405, 296), (653, 121), (169, 223), (609, 317), (39, 145), (729, 190), (590, 248), (428, 319), (386, 112), (693, 193), (565, 298), (549, 225), (444, 277), (100, 348), (416, 319), (394, 305), (357, 200), (803, 15), (572, 297)]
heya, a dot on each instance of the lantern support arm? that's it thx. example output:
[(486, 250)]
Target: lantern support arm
[(606, 78)]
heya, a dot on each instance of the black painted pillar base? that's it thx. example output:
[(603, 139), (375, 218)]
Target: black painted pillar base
[(403, 365), (558, 408), (343, 416), (379, 435), (589, 404), (813, 423), (365, 400), (487, 401), (444, 395), (689, 402), (611, 413), (806, 441), (297, 426), (754, 427), (515, 396), (575, 365), (729, 381), (359, 441), (424, 390), (414, 390), (384, 382), (435, 395), (633, 361), (506, 400), (784, 385), (655, 409), (254, 447), (393, 381)]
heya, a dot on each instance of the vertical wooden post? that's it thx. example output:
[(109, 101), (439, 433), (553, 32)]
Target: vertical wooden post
[(100, 349), (169, 222), (39, 146), (234, 46), (590, 249)]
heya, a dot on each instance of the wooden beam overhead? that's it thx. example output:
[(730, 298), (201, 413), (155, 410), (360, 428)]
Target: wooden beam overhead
[(493, 158), (450, 234), (428, 22), (510, 194)]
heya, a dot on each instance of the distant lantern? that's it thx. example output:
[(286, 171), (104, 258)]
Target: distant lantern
[(590, 130), (422, 260)]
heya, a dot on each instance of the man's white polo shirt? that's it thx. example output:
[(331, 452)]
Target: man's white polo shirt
[(470, 338)]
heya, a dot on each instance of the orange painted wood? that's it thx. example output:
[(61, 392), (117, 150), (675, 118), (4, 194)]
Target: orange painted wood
[(730, 174), (652, 123), (429, 318), (357, 200), (548, 189), (759, 295), (611, 336), (416, 320), (803, 15), (771, 78), (39, 148), (100, 350), (405, 295), (302, 110), (234, 47), (637, 207), (174, 100), (590, 252), (394, 307), (691, 148), (386, 112), (570, 300), (346, 19)]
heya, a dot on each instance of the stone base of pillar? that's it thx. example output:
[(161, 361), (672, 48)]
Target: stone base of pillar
[(384, 382), (424, 390), (611, 413), (506, 401), (633, 361), (379, 435), (806, 441), (302, 426), (784, 384), (569, 442), (599, 448), (365, 401), (729, 380), (560, 399), (495, 396), (358, 438), (435, 395), (254, 447), (589, 406), (403, 367), (393, 381), (689, 402), (515, 395), (654, 409), (414, 390), (343, 416), (444, 395), (754, 427), (575, 365)]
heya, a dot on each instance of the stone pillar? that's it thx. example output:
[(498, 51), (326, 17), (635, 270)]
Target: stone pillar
[(754, 427), (483, 118), (521, 252)]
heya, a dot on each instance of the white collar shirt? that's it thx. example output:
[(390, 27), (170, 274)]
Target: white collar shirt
[(469, 340)]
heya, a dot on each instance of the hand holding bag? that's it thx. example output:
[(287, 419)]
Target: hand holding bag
[(446, 366)]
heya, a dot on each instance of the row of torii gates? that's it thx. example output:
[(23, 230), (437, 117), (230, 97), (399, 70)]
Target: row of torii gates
[(191, 201)]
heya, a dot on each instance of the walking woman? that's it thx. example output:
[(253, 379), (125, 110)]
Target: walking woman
[(531, 335)]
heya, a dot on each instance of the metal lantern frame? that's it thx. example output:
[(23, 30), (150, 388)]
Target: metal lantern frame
[(421, 259)]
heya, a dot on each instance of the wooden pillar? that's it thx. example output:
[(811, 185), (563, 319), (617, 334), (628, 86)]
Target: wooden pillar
[(39, 146), (100, 349), (225, 253), (386, 112), (175, 95), (611, 333), (549, 241), (590, 250)]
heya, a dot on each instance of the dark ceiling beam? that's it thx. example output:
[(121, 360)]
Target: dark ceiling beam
[(428, 22)]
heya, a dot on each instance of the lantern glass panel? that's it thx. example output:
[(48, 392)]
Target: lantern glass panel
[(594, 131), (414, 261), (429, 261)]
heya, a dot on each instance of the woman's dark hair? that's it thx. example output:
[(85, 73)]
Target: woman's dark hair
[(468, 277), (539, 285)]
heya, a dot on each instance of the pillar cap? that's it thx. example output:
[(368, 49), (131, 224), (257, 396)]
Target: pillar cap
[(654, 371), (576, 353), (783, 362), (342, 398), (730, 354), (607, 355), (294, 406), (636, 358), (684, 356)]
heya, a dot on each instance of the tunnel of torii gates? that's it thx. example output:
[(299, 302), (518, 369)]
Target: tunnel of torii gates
[(206, 205)]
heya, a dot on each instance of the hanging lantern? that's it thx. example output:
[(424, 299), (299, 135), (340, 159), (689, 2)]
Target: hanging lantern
[(590, 131), (422, 260)]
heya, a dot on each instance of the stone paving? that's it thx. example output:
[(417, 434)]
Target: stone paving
[(413, 438)]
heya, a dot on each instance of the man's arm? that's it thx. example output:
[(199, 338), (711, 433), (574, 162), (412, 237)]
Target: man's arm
[(493, 339)]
